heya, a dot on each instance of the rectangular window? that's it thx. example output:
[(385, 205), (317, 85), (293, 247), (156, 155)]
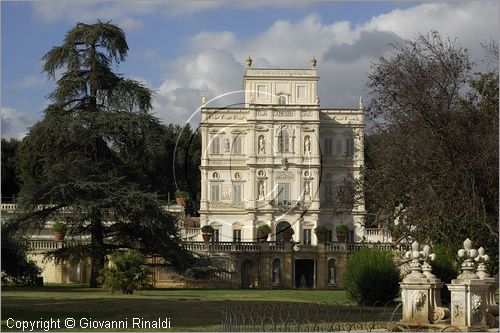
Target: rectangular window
[(349, 147), (301, 92), (328, 193), (237, 197), (237, 235), (328, 146), (283, 142), (238, 145), (261, 91), (329, 236), (284, 194), (215, 145), (307, 236), (215, 236), (215, 192), (350, 236)]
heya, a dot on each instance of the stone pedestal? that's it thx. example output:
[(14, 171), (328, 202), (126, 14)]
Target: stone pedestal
[(469, 303), (490, 298), (421, 300)]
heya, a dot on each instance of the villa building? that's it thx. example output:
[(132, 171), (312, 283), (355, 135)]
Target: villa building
[(278, 160)]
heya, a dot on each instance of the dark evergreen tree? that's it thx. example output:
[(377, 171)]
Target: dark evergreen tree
[(10, 174), (91, 153)]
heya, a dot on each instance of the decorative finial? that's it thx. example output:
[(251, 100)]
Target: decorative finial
[(427, 257), (203, 101), (415, 255), (468, 253), (482, 258), (313, 62), (249, 62), (361, 102)]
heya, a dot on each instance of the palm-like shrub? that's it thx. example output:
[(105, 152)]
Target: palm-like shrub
[(129, 272), (371, 276)]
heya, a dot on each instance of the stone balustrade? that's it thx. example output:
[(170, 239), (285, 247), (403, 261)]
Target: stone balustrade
[(374, 235)]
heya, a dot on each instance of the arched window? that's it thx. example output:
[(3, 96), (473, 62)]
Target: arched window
[(280, 227), (282, 100)]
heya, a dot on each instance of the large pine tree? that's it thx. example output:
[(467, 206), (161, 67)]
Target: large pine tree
[(89, 155)]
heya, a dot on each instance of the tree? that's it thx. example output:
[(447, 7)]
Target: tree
[(10, 175), (433, 153), (86, 161)]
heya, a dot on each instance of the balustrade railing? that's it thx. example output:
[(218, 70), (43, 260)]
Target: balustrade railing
[(50, 244), (377, 235)]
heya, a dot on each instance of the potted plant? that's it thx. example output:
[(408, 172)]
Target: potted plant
[(321, 232), (60, 231), (181, 197), (262, 232), (206, 232), (341, 232), (287, 234)]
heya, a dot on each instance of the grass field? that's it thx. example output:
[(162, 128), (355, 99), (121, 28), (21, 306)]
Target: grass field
[(188, 309)]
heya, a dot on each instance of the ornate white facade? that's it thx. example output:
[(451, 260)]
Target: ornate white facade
[(280, 158)]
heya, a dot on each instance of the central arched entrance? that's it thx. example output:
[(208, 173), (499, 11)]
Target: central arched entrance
[(247, 274), (280, 227)]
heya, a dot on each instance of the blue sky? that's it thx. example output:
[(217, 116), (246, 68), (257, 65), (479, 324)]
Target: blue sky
[(184, 50)]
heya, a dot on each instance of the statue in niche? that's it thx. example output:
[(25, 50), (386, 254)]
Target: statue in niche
[(307, 145), (226, 145), (276, 275), (303, 281), (261, 190), (332, 275), (307, 190), (262, 145)]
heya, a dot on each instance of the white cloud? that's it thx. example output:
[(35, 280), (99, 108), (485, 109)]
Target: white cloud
[(129, 23), (214, 60), (52, 11), (15, 124)]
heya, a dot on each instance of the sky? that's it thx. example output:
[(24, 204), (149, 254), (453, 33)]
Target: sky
[(185, 49)]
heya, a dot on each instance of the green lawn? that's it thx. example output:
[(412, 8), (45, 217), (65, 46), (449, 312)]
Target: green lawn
[(188, 309)]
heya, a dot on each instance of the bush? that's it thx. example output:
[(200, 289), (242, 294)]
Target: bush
[(17, 268), (182, 194), (321, 230), (445, 267), (128, 274), (264, 230), (207, 229), (371, 276), (341, 230), (60, 227)]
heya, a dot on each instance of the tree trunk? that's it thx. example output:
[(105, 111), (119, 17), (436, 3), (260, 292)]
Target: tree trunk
[(97, 250)]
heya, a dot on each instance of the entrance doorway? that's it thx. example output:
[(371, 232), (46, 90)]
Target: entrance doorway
[(304, 273), (247, 274)]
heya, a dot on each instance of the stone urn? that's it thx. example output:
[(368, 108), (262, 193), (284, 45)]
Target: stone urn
[(206, 237)]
